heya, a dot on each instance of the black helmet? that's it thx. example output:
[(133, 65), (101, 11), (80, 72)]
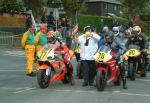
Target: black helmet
[(109, 37)]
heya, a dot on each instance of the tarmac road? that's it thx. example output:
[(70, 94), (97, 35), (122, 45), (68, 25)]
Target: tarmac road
[(16, 87)]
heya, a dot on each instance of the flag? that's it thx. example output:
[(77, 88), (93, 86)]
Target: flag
[(33, 22), (75, 27)]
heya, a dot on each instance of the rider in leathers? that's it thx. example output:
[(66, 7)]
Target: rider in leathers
[(137, 39), (117, 46), (61, 49)]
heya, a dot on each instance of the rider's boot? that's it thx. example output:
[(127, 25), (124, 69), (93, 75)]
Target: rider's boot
[(124, 83)]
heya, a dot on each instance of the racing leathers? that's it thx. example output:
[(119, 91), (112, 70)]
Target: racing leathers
[(118, 47)]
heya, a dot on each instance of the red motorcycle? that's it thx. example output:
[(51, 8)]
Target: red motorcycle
[(107, 70), (53, 67)]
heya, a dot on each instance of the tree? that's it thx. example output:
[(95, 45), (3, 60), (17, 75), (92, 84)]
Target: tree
[(73, 7), (35, 5), (10, 6), (54, 3), (133, 7)]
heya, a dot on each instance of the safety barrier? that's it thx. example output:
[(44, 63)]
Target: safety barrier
[(8, 38)]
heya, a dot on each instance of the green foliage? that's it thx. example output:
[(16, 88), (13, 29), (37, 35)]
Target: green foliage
[(84, 20), (10, 6), (34, 5), (95, 20), (54, 3), (134, 6), (73, 7)]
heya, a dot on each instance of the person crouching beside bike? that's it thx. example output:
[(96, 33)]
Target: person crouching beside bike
[(88, 46), (118, 47)]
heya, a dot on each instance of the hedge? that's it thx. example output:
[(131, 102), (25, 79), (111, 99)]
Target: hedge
[(93, 20)]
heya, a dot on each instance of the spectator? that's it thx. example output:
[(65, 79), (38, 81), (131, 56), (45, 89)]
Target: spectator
[(67, 23), (28, 44), (88, 46), (101, 25), (29, 22), (43, 18), (50, 22), (105, 31), (68, 39)]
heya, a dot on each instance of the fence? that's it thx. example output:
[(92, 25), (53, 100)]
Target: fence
[(8, 38)]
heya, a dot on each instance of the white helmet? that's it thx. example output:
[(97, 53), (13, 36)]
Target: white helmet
[(105, 28), (127, 32), (136, 29), (115, 31)]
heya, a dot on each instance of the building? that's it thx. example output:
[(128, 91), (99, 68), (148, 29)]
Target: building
[(103, 7)]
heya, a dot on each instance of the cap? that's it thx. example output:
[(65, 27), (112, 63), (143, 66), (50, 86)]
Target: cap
[(32, 27), (43, 27)]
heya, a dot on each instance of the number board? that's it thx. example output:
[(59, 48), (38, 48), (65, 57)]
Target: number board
[(101, 56), (148, 50), (133, 52)]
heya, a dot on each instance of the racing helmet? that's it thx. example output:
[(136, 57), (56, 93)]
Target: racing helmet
[(136, 30), (50, 36), (127, 32), (115, 31)]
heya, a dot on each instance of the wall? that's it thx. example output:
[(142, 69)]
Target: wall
[(16, 20)]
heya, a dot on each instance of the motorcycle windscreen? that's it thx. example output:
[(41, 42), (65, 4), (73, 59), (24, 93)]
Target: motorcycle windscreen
[(103, 54)]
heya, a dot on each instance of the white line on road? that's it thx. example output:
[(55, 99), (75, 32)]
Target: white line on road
[(26, 89), (144, 80), (7, 88), (134, 94), (114, 92), (14, 65), (11, 70), (20, 90)]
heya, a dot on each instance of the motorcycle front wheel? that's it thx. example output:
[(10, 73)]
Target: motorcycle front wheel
[(100, 80), (132, 71), (43, 78)]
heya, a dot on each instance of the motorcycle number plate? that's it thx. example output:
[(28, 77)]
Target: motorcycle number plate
[(133, 52), (148, 56), (101, 56), (148, 50), (47, 72)]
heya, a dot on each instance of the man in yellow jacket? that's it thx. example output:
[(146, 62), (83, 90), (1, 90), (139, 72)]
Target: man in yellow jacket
[(40, 40), (28, 44)]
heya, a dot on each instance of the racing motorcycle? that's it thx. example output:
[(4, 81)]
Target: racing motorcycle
[(133, 56), (107, 70), (52, 68)]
